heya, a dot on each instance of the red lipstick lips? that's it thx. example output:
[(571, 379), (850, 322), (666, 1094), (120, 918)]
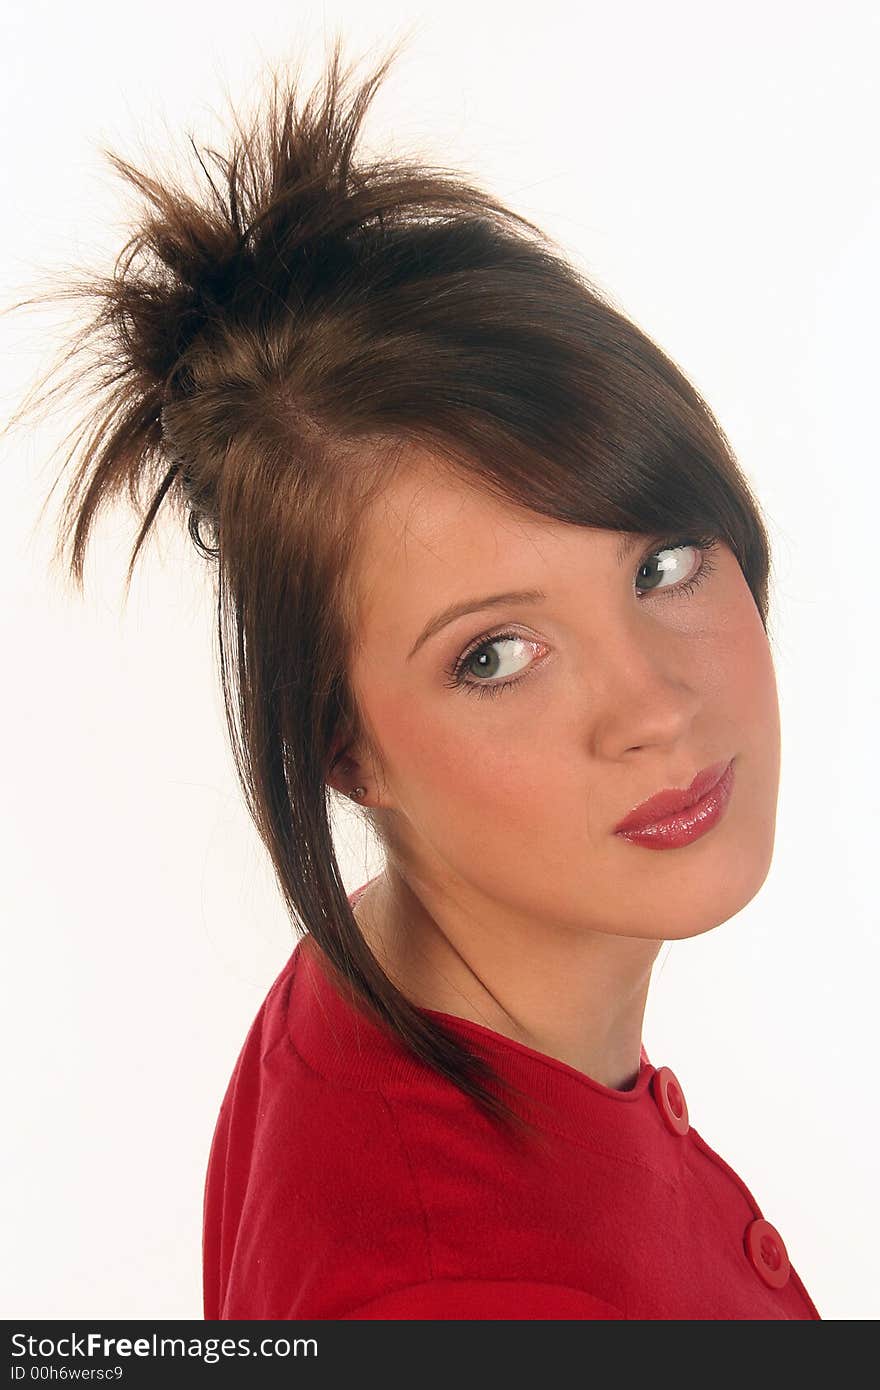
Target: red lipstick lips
[(676, 816)]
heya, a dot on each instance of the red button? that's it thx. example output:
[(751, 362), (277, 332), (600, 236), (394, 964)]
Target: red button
[(766, 1250), (670, 1100)]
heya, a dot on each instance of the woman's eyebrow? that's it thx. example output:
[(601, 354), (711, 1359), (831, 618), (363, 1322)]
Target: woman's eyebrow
[(474, 605)]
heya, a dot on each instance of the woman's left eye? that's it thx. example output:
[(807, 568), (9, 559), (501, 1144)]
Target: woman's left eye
[(496, 668), (669, 563)]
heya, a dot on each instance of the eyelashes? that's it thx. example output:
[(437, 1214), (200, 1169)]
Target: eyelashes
[(456, 677)]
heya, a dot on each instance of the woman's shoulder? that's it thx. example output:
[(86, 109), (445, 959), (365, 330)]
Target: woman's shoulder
[(305, 1164)]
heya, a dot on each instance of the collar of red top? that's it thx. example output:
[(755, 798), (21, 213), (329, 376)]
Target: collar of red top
[(337, 1037)]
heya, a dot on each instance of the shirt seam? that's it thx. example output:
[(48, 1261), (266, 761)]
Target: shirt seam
[(415, 1182), (469, 1279)]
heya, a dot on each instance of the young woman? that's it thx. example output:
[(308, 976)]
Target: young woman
[(487, 565)]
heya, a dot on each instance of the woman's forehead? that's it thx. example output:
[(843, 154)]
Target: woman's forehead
[(433, 538), (427, 520)]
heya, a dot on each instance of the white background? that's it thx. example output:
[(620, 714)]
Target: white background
[(714, 169)]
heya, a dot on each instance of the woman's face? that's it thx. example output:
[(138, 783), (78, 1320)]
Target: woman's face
[(508, 782)]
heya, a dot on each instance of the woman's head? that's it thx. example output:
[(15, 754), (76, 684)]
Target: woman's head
[(372, 391), (504, 741)]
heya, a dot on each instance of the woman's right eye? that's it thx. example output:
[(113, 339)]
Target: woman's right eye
[(492, 665)]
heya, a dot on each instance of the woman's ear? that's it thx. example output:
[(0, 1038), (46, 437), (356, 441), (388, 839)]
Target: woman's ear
[(347, 772)]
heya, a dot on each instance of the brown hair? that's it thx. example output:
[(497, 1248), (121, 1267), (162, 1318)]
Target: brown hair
[(263, 353)]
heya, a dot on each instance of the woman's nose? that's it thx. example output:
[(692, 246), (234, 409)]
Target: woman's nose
[(646, 691)]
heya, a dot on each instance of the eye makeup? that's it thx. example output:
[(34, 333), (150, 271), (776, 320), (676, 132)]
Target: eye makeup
[(456, 675)]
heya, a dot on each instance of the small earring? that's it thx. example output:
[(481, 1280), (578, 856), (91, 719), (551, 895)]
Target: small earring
[(358, 791)]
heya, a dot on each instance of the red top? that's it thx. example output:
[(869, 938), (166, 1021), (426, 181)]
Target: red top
[(346, 1180)]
